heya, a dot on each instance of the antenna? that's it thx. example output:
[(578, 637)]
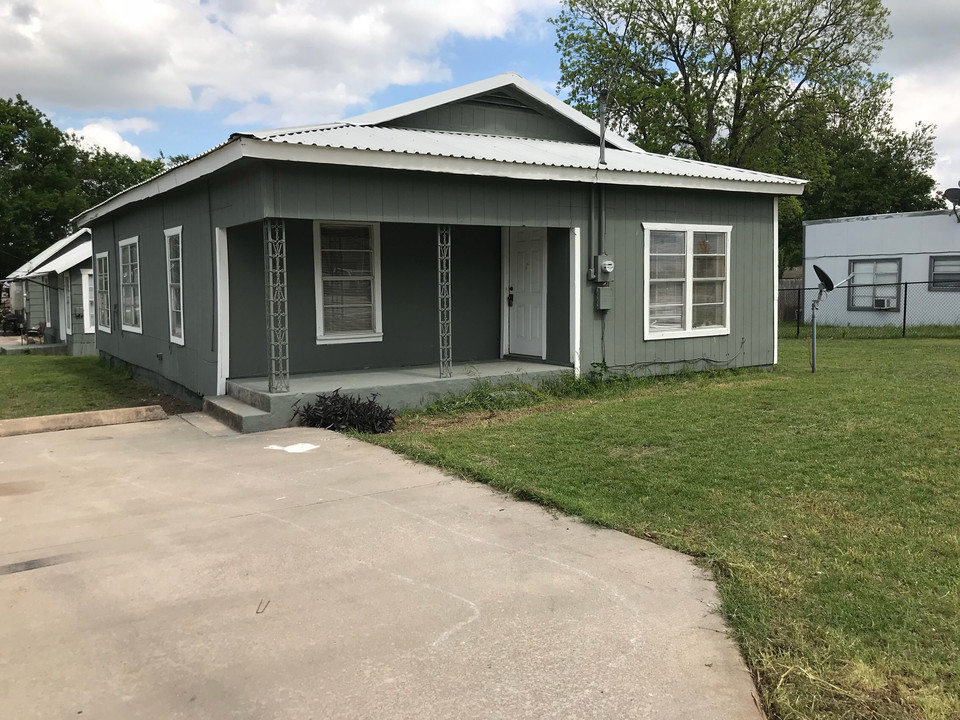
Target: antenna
[(602, 99), (953, 195), (826, 285)]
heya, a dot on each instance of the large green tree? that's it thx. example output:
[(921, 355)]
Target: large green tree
[(781, 86), (47, 178), (39, 185)]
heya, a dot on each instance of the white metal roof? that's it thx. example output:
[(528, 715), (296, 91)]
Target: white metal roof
[(63, 262), (41, 257), (513, 150), (360, 143)]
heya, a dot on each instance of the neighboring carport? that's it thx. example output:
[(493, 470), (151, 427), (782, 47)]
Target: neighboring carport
[(157, 571)]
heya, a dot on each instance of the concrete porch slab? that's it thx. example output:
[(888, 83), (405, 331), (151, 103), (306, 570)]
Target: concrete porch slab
[(399, 388)]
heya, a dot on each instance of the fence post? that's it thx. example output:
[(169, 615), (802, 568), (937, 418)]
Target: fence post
[(904, 332), (799, 307)]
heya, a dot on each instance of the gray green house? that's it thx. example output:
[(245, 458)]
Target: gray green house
[(55, 288), (478, 232)]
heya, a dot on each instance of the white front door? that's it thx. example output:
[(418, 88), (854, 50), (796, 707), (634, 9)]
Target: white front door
[(527, 292)]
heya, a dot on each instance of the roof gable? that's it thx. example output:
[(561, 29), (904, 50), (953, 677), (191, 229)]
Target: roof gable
[(495, 103)]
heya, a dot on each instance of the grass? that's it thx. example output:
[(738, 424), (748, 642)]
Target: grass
[(50, 384), (826, 505)]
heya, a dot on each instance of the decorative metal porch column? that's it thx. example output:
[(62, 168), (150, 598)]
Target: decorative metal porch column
[(275, 275), (443, 285)]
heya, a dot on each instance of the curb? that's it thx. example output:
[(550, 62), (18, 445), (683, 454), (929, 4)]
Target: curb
[(74, 421)]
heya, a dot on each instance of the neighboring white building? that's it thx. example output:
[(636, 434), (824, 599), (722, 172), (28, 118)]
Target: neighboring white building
[(903, 260)]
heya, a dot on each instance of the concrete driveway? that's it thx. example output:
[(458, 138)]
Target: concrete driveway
[(158, 571)]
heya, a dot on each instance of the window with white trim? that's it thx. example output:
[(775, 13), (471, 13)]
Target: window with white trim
[(87, 294), (944, 273), (686, 280), (875, 284), (130, 285), (174, 284), (347, 259), (103, 291), (66, 287)]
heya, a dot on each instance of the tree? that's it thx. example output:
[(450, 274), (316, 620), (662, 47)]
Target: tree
[(39, 187), (781, 86), (47, 178), (713, 79)]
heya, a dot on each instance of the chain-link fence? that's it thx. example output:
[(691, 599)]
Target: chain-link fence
[(914, 309)]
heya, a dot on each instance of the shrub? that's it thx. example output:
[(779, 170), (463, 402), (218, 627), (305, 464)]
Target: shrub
[(338, 412)]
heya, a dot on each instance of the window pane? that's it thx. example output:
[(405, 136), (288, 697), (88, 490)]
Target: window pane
[(708, 316), (707, 292), (709, 243), (174, 247), (175, 298), (665, 293), (709, 267), (175, 271), (666, 317), (347, 292), (346, 262), (668, 241), (861, 296), (946, 265), (347, 319), (176, 321), (666, 267), (340, 237)]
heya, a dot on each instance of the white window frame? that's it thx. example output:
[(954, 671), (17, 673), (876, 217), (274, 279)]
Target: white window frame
[(135, 240), (105, 276), (688, 331), (353, 337), (167, 234), (66, 287), (86, 286)]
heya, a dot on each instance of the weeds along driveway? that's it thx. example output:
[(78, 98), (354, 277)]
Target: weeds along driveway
[(152, 571)]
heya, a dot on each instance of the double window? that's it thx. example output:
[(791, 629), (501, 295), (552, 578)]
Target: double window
[(944, 273), (347, 258), (686, 280), (102, 268), (174, 284), (875, 284), (130, 285)]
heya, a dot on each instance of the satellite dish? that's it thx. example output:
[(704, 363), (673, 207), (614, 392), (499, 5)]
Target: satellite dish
[(824, 278), (953, 195)]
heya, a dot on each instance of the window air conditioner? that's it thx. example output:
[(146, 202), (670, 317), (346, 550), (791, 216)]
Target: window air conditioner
[(883, 303)]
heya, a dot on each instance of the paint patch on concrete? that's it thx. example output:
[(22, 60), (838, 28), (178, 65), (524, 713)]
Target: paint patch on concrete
[(295, 448)]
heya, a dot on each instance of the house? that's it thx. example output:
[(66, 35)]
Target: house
[(904, 268), (477, 232), (55, 288)]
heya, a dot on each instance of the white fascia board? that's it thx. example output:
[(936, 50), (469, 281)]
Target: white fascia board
[(175, 177), (480, 87), (266, 150)]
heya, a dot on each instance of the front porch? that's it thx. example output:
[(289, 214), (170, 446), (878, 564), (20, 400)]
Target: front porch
[(248, 405)]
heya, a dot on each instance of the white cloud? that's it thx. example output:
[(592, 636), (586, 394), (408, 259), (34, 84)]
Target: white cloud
[(922, 56), (283, 62), (105, 134)]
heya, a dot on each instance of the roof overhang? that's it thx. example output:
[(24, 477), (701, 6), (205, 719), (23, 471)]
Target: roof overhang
[(70, 259)]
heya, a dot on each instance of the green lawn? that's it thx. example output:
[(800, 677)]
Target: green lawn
[(50, 384), (827, 506)]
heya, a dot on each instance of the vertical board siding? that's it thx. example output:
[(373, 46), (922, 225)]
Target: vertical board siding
[(479, 117), (410, 205)]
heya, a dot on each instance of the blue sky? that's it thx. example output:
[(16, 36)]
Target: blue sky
[(178, 76)]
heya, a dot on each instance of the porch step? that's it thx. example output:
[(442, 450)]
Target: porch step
[(238, 415)]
